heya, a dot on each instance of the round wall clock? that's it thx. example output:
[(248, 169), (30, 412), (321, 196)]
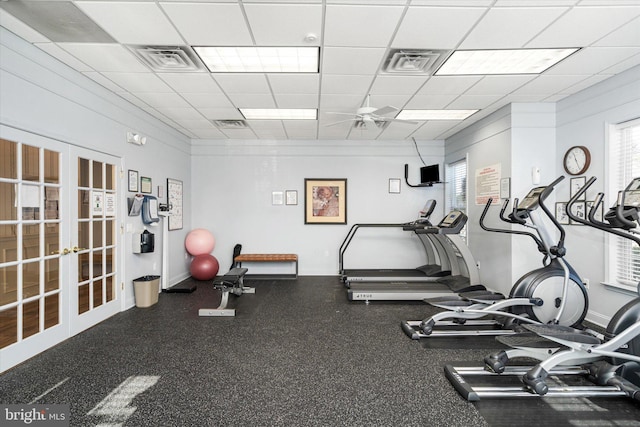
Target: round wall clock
[(577, 160)]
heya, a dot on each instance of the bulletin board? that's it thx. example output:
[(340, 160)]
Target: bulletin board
[(174, 198)]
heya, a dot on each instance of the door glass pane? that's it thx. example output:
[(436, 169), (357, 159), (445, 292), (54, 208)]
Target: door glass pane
[(83, 173), (51, 274), (51, 310), (51, 202), (97, 264), (84, 197), (110, 177), (30, 279), (8, 209), (51, 166), (109, 261), (97, 174), (97, 234), (30, 241), (30, 318), (8, 284), (83, 234), (30, 202), (108, 233), (109, 288), (83, 266), (51, 238), (30, 163), (8, 153), (83, 298), (8, 244), (8, 327), (97, 293)]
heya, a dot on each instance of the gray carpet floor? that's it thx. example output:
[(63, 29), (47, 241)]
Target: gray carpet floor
[(298, 353)]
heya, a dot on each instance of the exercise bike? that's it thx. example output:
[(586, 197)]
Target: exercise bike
[(552, 294)]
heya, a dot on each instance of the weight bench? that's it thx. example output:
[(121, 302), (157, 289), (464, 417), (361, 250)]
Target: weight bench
[(232, 282)]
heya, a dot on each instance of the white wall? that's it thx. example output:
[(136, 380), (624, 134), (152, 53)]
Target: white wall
[(233, 182), (42, 96), (582, 119)]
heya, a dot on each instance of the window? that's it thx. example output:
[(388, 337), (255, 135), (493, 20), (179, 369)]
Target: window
[(624, 165), (457, 189)]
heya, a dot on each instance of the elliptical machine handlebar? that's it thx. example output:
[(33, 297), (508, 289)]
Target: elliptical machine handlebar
[(559, 249), (539, 243)]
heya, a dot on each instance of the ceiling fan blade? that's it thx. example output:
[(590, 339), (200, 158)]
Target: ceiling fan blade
[(385, 110), (341, 121)]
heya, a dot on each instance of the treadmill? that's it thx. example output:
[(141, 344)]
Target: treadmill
[(437, 262), (464, 275)]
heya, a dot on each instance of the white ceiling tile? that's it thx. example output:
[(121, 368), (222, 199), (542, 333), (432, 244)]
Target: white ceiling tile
[(626, 35), (213, 24), (593, 60), (136, 101), (20, 29), (105, 57), (296, 100), (362, 134), (163, 100), (344, 25), (587, 25), (399, 130), (294, 83), (180, 113), (272, 24), (341, 60), (442, 85), (498, 85), (341, 103), (138, 82), (435, 27), (450, 3), (346, 84), (200, 123), (221, 113), (368, 2), (132, 22), (434, 129), (548, 85), (207, 100), (102, 80), (503, 28), (529, 3), (243, 83), (209, 134), (268, 129), (401, 85), (190, 82), (473, 102), (397, 101), (622, 66), (240, 133), (430, 102), (64, 56), (301, 128), (252, 100), (590, 81)]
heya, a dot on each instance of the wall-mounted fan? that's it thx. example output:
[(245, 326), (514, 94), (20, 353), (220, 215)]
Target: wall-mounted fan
[(370, 117)]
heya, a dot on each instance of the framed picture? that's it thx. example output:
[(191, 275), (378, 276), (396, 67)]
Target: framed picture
[(291, 197), (577, 184), (145, 185), (579, 209), (174, 200), (325, 201), (561, 213), (133, 180), (277, 198)]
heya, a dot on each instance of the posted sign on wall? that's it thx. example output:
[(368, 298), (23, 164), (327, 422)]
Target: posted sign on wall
[(488, 184)]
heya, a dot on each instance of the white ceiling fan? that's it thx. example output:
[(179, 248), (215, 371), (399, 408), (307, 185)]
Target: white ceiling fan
[(368, 117)]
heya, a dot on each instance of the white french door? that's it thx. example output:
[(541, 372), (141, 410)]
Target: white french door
[(58, 253)]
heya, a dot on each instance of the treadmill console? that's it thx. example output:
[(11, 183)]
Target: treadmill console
[(531, 200), (452, 219), (632, 194)]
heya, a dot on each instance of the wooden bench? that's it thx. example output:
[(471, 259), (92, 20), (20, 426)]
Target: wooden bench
[(268, 258)]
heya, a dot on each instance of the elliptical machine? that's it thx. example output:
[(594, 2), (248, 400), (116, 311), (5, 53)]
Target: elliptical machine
[(552, 294)]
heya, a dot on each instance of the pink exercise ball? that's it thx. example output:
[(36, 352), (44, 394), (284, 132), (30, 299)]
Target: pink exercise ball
[(200, 241), (204, 267)]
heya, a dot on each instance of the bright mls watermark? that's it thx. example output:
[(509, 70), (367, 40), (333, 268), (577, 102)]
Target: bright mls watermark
[(35, 415)]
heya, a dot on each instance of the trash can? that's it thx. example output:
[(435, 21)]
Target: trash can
[(146, 289)]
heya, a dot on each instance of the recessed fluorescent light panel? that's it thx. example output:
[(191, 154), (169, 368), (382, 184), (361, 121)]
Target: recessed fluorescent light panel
[(279, 113), (434, 114), (510, 61), (260, 59)]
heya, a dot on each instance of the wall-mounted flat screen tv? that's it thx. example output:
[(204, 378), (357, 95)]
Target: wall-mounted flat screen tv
[(429, 174)]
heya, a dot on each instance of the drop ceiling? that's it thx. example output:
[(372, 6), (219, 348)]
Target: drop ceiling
[(355, 38)]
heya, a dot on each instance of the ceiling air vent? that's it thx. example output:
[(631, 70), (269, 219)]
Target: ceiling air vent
[(414, 61), (230, 124), (168, 58)]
